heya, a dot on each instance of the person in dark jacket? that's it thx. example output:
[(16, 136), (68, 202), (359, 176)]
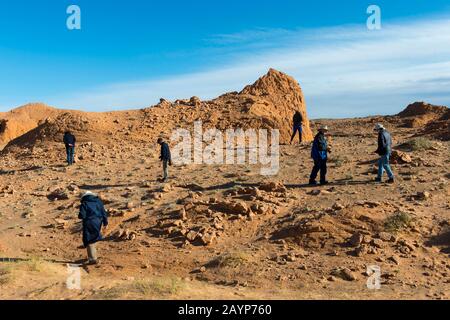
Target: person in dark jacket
[(94, 216), (319, 154), (298, 126), (384, 151), (165, 157), (70, 141)]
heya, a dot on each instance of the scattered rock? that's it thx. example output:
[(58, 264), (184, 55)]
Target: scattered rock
[(273, 187), (377, 243), (399, 157), (423, 196), (191, 236), (386, 237), (235, 208), (344, 274), (356, 239), (125, 235), (338, 207), (395, 260), (208, 238), (58, 194)]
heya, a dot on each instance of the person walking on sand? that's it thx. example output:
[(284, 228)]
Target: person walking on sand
[(93, 216), (69, 141), (165, 157), (319, 154), (384, 151), (298, 126)]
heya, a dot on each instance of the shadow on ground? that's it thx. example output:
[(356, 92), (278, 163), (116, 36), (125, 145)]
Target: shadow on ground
[(441, 240)]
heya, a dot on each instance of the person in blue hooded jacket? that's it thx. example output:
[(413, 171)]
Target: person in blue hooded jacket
[(94, 216), (319, 154), (70, 141), (384, 151)]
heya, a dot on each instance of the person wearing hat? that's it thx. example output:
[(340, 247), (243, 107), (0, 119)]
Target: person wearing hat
[(319, 154), (165, 157), (384, 151), (94, 216)]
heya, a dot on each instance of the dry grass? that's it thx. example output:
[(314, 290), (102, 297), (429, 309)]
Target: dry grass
[(142, 289), (230, 260), (35, 264), (397, 222), (419, 144), (339, 161), (6, 275), (8, 270)]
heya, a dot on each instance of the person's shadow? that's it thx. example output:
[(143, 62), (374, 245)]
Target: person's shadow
[(342, 182)]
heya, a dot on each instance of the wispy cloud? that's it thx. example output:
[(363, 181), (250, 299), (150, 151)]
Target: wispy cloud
[(344, 71)]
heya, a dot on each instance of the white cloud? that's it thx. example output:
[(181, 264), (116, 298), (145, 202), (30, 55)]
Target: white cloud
[(344, 71)]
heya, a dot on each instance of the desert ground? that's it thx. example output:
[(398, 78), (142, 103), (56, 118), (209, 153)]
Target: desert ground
[(225, 231)]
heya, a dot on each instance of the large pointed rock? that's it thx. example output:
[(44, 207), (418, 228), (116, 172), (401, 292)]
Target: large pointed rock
[(278, 97)]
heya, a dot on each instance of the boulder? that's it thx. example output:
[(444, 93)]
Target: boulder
[(234, 208), (399, 157), (58, 194), (273, 187), (208, 238), (356, 239), (125, 235), (344, 274)]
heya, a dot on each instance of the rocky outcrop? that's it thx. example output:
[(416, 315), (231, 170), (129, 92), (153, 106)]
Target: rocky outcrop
[(433, 120), (269, 103), (278, 97), (19, 121)]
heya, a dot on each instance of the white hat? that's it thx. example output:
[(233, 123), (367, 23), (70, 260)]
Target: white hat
[(88, 193), (323, 128), (379, 126)]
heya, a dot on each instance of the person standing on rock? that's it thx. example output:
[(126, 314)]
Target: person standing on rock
[(298, 126), (94, 216), (384, 151), (165, 157), (69, 141), (319, 154)]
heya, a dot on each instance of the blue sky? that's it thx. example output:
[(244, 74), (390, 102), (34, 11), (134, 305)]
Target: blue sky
[(130, 53)]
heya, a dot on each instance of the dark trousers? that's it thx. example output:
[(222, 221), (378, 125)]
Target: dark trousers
[(319, 165), (70, 155), (299, 129), (166, 169)]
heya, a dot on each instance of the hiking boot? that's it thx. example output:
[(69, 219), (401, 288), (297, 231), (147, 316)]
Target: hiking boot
[(378, 180), (312, 183), (391, 181), (92, 262)]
